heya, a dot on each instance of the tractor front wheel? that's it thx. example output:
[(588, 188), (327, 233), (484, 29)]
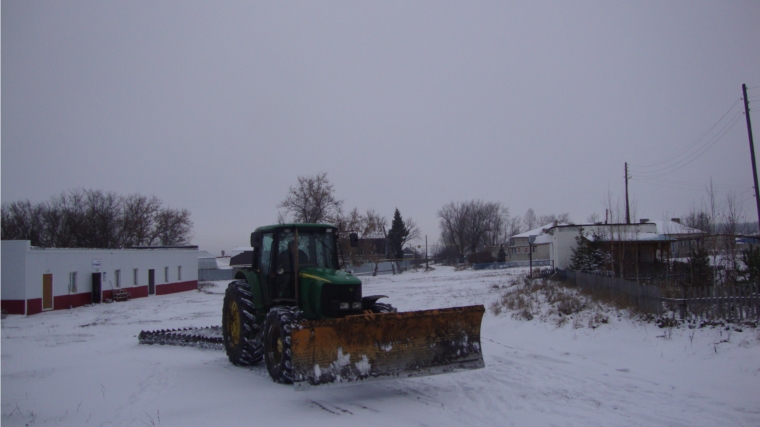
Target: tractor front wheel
[(277, 354), (239, 328)]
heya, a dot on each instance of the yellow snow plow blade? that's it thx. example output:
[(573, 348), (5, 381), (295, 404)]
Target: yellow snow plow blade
[(387, 345)]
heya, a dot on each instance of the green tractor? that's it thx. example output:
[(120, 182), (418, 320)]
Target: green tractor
[(307, 319)]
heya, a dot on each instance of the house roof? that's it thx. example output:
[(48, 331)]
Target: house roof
[(205, 254), (543, 239), (539, 230), (672, 227), (634, 237)]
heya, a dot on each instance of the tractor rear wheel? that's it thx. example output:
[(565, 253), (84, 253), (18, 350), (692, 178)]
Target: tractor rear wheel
[(277, 355), (239, 329)]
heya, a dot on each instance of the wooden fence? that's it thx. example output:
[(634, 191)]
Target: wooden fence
[(645, 298), (734, 303)]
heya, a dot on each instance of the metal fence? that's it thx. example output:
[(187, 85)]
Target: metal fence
[(210, 274), (380, 268), (511, 264)]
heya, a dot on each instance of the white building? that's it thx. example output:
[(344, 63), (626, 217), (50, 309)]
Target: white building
[(41, 279), (520, 247)]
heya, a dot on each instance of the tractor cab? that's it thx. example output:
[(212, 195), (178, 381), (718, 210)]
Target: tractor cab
[(298, 265)]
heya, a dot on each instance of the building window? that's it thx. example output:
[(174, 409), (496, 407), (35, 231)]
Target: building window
[(117, 278), (179, 273), (166, 274), (73, 282), (135, 281)]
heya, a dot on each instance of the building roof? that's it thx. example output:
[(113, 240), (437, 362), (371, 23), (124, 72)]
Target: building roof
[(299, 226), (205, 254), (672, 227), (539, 230), (634, 237), (543, 239)]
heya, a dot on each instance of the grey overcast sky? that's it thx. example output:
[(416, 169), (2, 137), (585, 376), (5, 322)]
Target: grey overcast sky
[(217, 107)]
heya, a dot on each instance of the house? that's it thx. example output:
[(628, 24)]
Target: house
[(243, 259), (685, 238), (213, 268), (639, 244), (520, 246), (41, 279)]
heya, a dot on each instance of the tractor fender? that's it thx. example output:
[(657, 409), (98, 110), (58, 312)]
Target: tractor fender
[(369, 301)]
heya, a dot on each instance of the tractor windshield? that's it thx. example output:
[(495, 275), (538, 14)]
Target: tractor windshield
[(319, 246)]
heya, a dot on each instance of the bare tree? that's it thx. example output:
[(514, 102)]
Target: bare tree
[(731, 225), (139, 213), (548, 219), (594, 218), (469, 225), (366, 225), (529, 219), (414, 231), (514, 226), (369, 227), (699, 220), (23, 220), (312, 200), (95, 219), (172, 226)]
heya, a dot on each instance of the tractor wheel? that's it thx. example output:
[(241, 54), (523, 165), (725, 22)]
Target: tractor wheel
[(277, 355), (379, 307), (239, 328)]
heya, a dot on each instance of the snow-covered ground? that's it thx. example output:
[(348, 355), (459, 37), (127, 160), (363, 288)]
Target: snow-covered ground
[(85, 367)]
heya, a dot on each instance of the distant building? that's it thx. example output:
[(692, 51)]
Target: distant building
[(213, 268), (684, 238), (519, 246), (36, 279)]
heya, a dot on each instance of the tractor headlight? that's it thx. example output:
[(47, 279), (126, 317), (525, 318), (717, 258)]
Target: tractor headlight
[(356, 306), (343, 306)]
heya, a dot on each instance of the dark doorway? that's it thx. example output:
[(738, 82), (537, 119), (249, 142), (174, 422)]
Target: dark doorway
[(151, 282), (96, 288)]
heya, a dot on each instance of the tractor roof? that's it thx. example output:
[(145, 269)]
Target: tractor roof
[(299, 226)]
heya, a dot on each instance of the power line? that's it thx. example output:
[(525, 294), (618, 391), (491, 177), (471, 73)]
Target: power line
[(668, 169), (690, 146), (689, 187), (684, 185)]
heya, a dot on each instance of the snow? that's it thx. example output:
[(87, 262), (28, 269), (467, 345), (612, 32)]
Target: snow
[(672, 227), (538, 230), (84, 367)]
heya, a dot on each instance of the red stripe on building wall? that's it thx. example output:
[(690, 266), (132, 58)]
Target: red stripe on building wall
[(60, 302), (138, 291), (73, 300), (170, 288), (33, 306), (13, 306)]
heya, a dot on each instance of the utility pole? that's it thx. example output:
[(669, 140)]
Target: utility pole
[(427, 266), (627, 210), (751, 149)]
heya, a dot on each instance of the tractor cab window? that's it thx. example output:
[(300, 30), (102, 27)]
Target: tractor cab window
[(321, 248), (266, 253), (316, 248), (286, 254)]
